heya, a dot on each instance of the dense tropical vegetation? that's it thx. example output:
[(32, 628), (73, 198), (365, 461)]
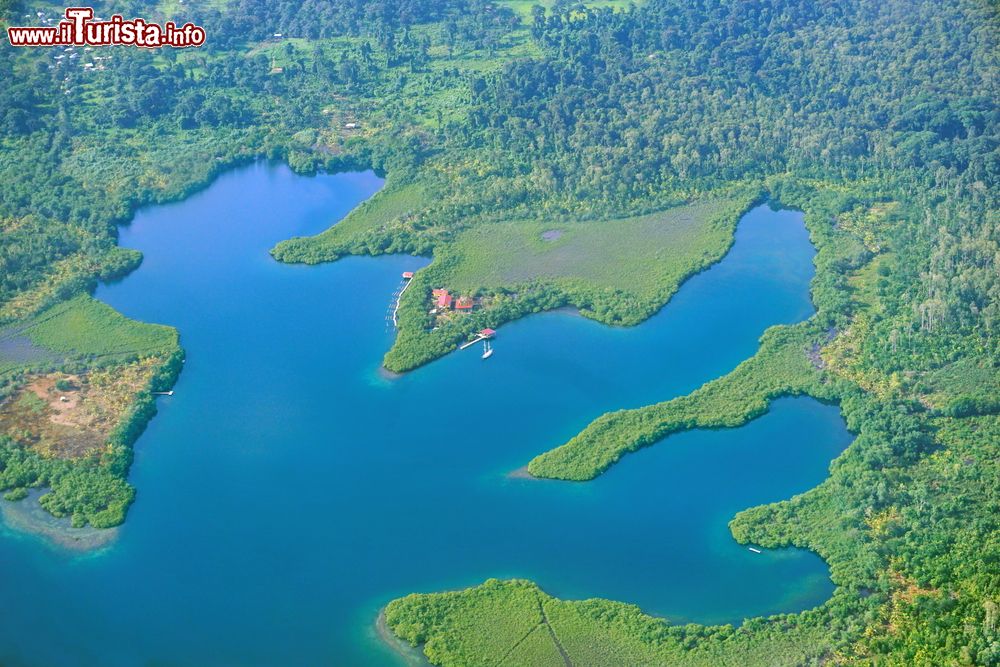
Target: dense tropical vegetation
[(876, 117)]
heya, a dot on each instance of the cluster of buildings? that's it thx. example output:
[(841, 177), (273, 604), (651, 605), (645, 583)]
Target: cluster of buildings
[(444, 301), (69, 55), (44, 18)]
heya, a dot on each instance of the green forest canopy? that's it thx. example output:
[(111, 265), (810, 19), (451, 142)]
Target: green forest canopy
[(876, 117)]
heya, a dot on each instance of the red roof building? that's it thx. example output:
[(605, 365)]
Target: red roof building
[(444, 300), (407, 274), (464, 303), (487, 333)]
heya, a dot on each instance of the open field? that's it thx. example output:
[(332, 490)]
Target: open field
[(80, 329), (645, 256), (523, 7), (71, 416)]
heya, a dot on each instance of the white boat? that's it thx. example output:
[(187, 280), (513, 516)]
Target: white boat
[(487, 350), (756, 551)]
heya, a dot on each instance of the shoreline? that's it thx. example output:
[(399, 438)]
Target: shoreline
[(664, 298), (386, 374), (28, 519), (412, 655), (522, 473)]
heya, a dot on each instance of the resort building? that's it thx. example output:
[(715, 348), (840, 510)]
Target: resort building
[(442, 298)]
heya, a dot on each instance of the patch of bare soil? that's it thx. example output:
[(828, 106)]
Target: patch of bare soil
[(815, 357), (71, 416)]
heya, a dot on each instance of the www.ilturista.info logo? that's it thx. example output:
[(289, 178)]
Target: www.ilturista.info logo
[(80, 29)]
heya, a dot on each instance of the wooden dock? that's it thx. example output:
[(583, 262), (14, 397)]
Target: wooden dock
[(399, 296), (392, 313), (472, 342), (485, 334)]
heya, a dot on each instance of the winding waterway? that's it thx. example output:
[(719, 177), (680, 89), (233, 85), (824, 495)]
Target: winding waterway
[(287, 490)]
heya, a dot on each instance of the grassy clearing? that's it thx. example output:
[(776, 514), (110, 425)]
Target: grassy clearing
[(72, 416), (171, 9), (645, 256), (523, 7), (83, 328)]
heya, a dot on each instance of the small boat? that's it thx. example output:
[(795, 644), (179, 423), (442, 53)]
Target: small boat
[(756, 551), (487, 350)]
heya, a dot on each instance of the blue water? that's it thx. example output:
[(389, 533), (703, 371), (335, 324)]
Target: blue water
[(287, 490)]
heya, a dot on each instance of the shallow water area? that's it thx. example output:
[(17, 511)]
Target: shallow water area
[(288, 489), (26, 519)]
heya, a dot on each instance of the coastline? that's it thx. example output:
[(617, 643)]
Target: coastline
[(411, 655), (522, 473), (28, 518), (386, 374), (565, 297)]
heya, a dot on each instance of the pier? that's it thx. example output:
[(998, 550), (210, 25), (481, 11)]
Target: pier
[(485, 334), (396, 296)]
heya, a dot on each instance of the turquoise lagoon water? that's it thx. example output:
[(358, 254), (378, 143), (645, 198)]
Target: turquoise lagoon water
[(288, 490)]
